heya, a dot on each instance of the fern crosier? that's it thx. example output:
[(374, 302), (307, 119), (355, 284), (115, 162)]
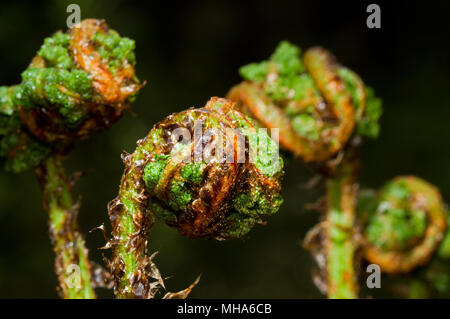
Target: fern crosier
[(192, 186), (404, 224), (78, 83), (316, 103)]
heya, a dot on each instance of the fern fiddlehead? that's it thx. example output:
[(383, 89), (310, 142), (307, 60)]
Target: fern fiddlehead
[(192, 186), (405, 223), (314, 101), (318, 105), (405, 228), (78, 83)]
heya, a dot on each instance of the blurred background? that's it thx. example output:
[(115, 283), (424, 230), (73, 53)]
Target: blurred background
[(190, 51)]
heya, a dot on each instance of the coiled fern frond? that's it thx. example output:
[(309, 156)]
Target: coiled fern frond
[(78, 83), (404, 224), (315, 102), (192, 186)]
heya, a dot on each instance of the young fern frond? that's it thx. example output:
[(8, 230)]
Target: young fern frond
[(193, 187), (318, 105), (78, 83), (404, 224)]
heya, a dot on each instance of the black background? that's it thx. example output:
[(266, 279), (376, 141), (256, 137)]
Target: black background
[(191, 50)]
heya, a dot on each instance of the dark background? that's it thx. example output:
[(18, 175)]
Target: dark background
[(191, 51)]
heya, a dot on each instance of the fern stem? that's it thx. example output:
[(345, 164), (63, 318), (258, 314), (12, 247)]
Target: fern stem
[(130, 226), (72, 264), (342, 190)]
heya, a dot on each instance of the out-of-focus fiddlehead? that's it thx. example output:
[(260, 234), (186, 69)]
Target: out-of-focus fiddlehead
[(406, 232), (78, 83), (195, 172), (315, 102), (318, 105), (404, 224)]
